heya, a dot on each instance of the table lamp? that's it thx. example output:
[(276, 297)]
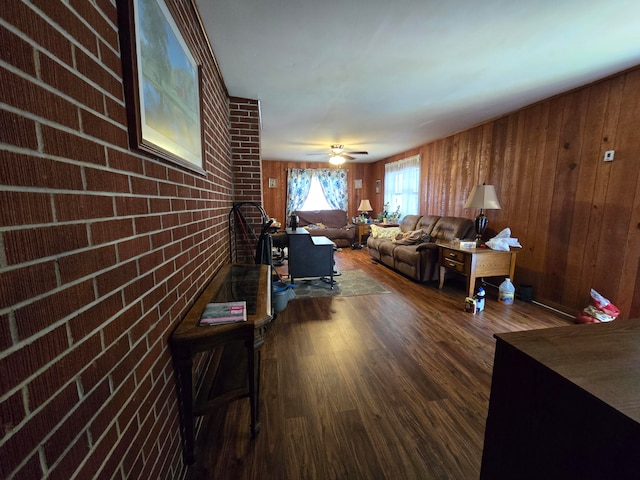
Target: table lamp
[(483, 197), (365, 208)]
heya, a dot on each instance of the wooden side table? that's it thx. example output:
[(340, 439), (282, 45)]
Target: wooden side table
[(476, 262), (364, 230), (227, 376)]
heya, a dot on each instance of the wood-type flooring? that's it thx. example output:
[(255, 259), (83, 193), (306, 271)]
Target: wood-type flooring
[(382, 386)]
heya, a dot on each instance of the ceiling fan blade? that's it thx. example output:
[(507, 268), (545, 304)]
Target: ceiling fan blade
[(357, 153), (347, 157), (324, 154)]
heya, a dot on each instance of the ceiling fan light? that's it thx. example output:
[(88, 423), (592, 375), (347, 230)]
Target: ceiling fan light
[(336, 160), (337, 149)]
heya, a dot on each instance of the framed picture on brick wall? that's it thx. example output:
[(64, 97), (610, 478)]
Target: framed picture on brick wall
[(162, 84)]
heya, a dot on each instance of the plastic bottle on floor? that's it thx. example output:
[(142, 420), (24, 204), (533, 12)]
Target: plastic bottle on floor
[(506, 292), (480, 300)]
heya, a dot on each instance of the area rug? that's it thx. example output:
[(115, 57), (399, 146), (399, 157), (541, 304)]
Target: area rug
[(348, 284)]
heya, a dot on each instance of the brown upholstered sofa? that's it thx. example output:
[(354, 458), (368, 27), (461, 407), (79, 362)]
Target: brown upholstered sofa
[(416, 255), (333, 224)]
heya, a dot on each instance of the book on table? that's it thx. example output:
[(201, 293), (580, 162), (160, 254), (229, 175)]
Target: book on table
[(223, 312)]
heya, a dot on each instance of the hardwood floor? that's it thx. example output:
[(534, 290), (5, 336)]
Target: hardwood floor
[(384, 386)]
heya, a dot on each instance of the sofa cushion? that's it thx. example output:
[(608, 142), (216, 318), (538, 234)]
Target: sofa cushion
[(448, 228), (409, 222), (427, 222)]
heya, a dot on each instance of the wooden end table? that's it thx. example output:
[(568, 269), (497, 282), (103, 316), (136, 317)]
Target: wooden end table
[(364, 230), (476, 262)]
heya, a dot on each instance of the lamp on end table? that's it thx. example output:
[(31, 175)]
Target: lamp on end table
[(483, 197), (365, 208)]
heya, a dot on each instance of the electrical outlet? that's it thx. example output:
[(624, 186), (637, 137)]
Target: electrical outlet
[(608, 155)]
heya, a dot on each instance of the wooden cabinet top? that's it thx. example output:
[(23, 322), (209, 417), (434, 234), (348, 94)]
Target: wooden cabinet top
[(603, 359)]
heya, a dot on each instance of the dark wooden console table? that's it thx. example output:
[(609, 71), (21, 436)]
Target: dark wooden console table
[(220, 381), (565, 404)]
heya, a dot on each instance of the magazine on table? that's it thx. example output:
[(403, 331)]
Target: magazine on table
[(225, 312)]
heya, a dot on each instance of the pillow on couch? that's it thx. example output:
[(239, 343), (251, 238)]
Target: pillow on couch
[(381, 232)]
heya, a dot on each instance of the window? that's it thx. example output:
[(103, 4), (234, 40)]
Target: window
[(316, 199), (402, 185)]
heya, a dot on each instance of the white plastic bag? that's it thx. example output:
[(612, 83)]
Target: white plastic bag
[(503, 241)]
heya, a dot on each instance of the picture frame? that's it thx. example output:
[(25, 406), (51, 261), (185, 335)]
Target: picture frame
[(273, 183), (162, 84), (358, 183), (378, 184)]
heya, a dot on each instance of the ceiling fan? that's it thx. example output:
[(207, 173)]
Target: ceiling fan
[(338, 155)]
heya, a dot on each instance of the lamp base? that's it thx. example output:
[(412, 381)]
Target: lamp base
[(481, 225)]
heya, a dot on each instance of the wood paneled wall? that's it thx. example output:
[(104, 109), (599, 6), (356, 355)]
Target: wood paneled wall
[(275, 199), (577, 217)]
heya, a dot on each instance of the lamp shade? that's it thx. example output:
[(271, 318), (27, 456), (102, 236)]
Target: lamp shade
[(483, 197), (365, 206)]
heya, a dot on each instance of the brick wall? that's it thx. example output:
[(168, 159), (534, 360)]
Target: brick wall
[(102, 249), (247, 175)]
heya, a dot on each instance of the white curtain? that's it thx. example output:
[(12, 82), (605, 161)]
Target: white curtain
[(402, 185)]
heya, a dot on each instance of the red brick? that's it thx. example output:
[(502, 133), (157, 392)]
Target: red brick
[(26, 282), (25, 95), (40, 314), (88, 11), (12, 412), (33, 243), (124, 161), (20, 208), (111, 280), (122, 371), (31, 469), (29, 171), (83, 207), (34, 26), (97, 73), (111, 230), (69, 21), (17, 52), (106, 181), (116, 402), (74, 424), (116, 111), (86, 322), (99, 452), (17, 130), (131, 206), (109, 9), (103, 129), (73, 267), (69, 463), (144, 186), (67, 145), (141, 285), (133, 248), (17, 366), (147, 224), (44, 386)]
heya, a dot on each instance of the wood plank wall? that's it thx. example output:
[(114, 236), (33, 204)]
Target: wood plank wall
[(577, 217)]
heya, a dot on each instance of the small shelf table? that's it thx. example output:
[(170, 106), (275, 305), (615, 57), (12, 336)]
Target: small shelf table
[(476, 262), (232, 366)]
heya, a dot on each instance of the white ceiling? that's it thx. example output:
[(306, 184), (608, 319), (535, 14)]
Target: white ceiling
[(386, 76)]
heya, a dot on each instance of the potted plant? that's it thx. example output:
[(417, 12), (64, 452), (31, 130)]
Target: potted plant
[(383, 216)]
